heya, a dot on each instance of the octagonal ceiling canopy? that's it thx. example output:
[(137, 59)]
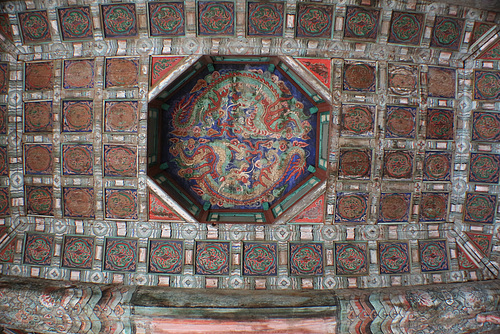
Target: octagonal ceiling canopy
[(238, 139)]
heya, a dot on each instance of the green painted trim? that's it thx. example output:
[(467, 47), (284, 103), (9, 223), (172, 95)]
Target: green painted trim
[(294, 197)]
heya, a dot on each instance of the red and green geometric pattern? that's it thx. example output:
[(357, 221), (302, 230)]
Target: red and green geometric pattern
[(166, 19), (119, 20), (406, 28), (394, 257), (480, 208), (78, 202), (165, 256), (313, 213), (321, 68), (306, 259), (120, 255), (486, 126), (39, 200), (492, 53), (484, 168), (212, 258), (447, 33), (35, 27), (216, 18), (120, 160), (351, 207), (8, 251), (433, 255), (78, 74), (440, 124), (260, 259), (265, 19), (161, 66), (433, 207), (351, 259), (314, 21), (75, 23), (361, 23), (486, 85), (38, 116), (121, 203), (78, 252), (38, 249), (160, 211)]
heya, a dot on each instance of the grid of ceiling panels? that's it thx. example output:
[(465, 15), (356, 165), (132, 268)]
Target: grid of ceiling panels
[(412, 160)]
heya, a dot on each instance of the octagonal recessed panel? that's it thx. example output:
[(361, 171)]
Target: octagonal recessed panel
[(238, 136)]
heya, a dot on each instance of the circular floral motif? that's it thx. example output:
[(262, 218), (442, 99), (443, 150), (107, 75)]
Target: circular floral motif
[(394, 207), (119, 20), (402, 81), (78, 116), (120, 255), (487, 85), (484, 168), (120, 161), (306, 259), (400, 123), (166, 19), (121, 204), (39, 76), (38, 250), (76, 23), (355, 164), (314, 21), (351, 259), (394, 258), (357, 120), (38, 159), (78, 203), (121, 73), (398, 165), (79, 74), (265, 19), (121, 116), (259, 260), (212, 259), (433, 256), (447, 31), (35, 25), (77, 160), (437, 167), (361, 23), (38, 116), (486, 127), (215, 18), (433, 207), (78, 252), (39, 201), (480, 208), (439, 124), (359, 77), (165, 257), (352, 207), (405, 28)]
